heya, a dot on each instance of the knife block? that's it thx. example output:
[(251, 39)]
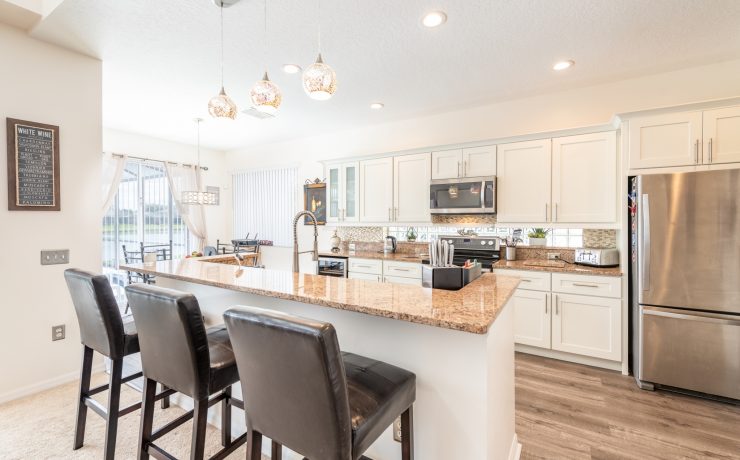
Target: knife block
[(449, 278)]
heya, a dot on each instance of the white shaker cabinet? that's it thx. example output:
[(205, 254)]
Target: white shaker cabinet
[(673, 139), (376, 190), (343, 192), (587, 325), (722, 135), (584, 178), (479, 161), (411, 188), (447, 164), (531, 317), (523, 181)]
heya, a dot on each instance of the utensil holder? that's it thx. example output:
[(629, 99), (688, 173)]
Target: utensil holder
[(510, 252), (449, 278)]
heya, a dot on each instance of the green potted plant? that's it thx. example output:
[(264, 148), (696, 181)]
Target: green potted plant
[(538, 236), (411, 234)]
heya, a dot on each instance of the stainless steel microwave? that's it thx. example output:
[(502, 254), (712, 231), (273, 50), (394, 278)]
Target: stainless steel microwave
[(470, 195)]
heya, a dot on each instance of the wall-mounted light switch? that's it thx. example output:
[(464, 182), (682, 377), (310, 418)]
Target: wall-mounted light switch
[(55, 256), (58, 332)]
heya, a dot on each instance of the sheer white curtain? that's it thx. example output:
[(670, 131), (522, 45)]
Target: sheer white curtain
[(113, 166), (182, 178), (265, 202)]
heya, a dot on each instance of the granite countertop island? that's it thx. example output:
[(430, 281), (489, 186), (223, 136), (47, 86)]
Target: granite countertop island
[(460, 344), (471, 309)]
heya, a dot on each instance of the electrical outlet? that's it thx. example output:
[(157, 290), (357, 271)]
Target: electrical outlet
[(553, 256), (397, 429), (58, 332), (55, 256)]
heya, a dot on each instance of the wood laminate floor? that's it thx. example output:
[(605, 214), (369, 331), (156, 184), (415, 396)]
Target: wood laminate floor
[(569, 411)]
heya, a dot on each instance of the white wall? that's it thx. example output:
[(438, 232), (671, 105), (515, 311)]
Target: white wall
[(218, 218), (46, 84), (595, 105)]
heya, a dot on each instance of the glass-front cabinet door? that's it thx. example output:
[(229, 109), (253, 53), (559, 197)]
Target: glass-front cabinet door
[(333, 191), (350, 201), (343, 190)]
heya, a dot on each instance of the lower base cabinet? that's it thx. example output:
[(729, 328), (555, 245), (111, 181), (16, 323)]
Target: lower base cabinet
[(532, 318), (550, 316), (587, 325), (402, 280), (364, 276)]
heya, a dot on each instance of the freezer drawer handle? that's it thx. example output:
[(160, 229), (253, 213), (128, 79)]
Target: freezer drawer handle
[(698, 316)]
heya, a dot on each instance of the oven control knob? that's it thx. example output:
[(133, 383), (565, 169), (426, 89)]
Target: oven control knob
[(490, 243), (482, 243)]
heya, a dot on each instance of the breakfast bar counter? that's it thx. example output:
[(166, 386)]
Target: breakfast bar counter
[(460, 344)]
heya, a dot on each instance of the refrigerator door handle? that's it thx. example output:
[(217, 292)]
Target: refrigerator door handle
[(716, 318), (645, 242)]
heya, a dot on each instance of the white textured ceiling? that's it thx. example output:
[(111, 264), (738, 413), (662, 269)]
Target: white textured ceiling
[(161, 58)]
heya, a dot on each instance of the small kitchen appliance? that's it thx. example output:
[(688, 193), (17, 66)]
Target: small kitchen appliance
[(597, 257), (472, 195)]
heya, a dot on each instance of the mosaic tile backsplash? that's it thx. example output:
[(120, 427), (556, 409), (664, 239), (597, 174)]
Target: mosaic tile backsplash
[(597, 238)]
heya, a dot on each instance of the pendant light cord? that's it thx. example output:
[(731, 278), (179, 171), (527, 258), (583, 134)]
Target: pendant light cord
[(222, 45), (264, 51), (319, 22)]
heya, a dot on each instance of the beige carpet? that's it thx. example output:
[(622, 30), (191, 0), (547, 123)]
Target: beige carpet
[(42, 427)]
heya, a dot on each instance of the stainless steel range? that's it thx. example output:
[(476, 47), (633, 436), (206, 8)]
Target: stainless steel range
[(486, 249)]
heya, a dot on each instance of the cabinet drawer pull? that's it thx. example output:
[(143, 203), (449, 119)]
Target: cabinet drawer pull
[(363, 266), (586, 285), (526, 280), (400, 269)]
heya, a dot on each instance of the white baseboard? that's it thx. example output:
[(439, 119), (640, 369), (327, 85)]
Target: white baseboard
[(47, 384), (516, 449), (570, 357)]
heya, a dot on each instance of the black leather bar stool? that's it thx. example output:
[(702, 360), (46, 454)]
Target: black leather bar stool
[(178, 352), (102, 329), (300, 390)]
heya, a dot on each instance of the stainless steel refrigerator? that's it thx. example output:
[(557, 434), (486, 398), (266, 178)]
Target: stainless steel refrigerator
[(685, 281)]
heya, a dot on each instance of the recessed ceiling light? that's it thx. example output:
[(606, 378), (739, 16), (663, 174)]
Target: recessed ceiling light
[(562, 65), (434, 19), (377, 105), (291, 68)]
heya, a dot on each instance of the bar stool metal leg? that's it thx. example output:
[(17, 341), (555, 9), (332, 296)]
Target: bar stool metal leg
[(407, 434), (226, 418), (147, 417), (254, 445), (114, 399), (200, 418), (85, 373)]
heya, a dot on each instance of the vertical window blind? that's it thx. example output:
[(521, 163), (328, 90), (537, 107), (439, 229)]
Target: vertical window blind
[(265, 202)]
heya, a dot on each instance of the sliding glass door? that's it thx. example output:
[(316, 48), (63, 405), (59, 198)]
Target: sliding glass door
[(142, 212)]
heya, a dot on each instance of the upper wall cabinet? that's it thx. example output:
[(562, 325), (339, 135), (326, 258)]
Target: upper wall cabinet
[(685, 139), (343, 192), (411, 174), (523, 182), (672, 139), (468, 162), (584, 178), (722, 135), (376, 190)]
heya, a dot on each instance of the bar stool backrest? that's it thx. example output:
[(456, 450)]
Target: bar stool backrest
[(172, 338), (293, 381), (101, 326)]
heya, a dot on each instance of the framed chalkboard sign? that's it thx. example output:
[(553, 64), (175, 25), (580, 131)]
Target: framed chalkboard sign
[(33, 166)]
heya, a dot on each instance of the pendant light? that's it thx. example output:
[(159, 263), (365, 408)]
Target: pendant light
[(197, 196), (221, 105), (319, 80), (265, 95)]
